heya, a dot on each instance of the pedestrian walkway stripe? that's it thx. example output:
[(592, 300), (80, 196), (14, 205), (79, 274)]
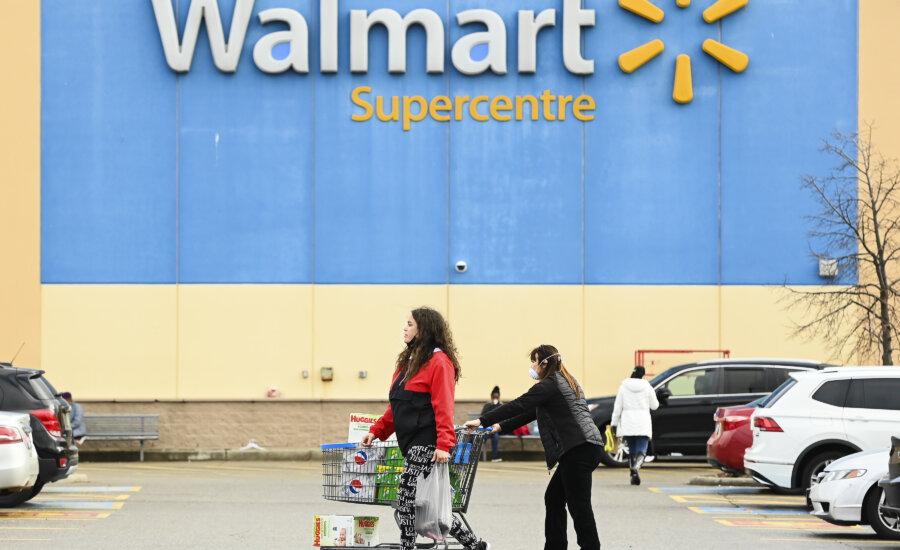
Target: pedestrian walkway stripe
[(711, 490), (746, 511), (75, 489), (76, 505)]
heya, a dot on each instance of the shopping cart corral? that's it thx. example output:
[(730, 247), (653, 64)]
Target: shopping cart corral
[(371, 475)]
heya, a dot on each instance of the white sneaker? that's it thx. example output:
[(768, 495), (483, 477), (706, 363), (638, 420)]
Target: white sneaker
[(496, 460)]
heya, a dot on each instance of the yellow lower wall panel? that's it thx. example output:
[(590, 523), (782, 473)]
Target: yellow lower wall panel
[(757, 322), (212, 342), (495, 328), (622, 319), (360, 328), (110, 341), (237, 341)]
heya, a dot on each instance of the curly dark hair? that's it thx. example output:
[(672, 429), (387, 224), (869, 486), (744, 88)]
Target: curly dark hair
[(433, 332)]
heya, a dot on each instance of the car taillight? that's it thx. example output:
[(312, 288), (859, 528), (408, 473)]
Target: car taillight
[(9, 435), (50, 421), (766, 424), (63, 462), (732, 422)]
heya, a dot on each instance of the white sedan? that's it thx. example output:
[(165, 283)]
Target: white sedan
[(18, 457), (847, 493)]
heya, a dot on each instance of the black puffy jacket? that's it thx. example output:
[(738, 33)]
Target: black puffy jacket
[(564, 421)]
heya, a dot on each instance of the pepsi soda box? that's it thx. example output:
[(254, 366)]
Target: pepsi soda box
[(363, 460), (359, 487)]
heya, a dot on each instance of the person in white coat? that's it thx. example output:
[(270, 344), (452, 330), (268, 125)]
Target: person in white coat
[(631, 418)]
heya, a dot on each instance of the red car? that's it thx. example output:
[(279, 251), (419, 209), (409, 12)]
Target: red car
[(732, 436)]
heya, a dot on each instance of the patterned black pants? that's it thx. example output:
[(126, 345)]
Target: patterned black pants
[(418, 461)]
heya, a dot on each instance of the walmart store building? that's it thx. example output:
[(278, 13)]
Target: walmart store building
[(183, 231)]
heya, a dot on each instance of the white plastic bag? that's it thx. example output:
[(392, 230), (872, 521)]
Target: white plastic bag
[(434, 510)]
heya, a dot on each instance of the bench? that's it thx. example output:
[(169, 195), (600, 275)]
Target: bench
[(122, 427), (486, 445)]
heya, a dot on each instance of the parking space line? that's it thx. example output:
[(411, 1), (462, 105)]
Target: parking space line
[(801, 524), (709, 490), (25, 528), (746, 511), (758, 500), (841, 541), (76, 489), (25, 540), (84, 496), (43, 515), (75, 505)]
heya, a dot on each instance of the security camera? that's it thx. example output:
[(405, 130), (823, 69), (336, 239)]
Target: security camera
[(461, 267)]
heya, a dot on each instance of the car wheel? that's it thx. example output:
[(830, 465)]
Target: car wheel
[(887, 527), (815, 465), (618, 459), (36, 489), (12, 500)]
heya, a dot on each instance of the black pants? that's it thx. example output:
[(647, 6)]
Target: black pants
[(571, 485)]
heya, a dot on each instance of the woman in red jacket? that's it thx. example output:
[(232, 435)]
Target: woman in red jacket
[(421, 413)]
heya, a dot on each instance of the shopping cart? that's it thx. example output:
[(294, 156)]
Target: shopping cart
[(370, 475)]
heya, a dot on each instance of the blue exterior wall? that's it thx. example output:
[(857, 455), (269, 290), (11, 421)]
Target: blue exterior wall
[(205, 177)]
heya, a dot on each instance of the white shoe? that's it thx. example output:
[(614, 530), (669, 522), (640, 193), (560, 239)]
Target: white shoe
[(496, 460)]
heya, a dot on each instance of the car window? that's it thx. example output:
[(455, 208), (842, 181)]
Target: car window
[(14, 397), (776, 395), (663, 375), (40, 389), (776, 377), (744, 380), (694, 382), (874, 393), (833, 392)]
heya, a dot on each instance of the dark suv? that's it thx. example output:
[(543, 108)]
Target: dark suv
[(689, 396), (27, 391)]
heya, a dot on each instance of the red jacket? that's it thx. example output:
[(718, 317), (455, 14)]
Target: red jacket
[(431, 390)]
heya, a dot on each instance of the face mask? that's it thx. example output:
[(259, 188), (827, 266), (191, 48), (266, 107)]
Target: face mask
[(496, 401), (534, 374)]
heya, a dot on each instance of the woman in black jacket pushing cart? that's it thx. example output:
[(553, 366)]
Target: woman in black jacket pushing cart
[(570, 438)]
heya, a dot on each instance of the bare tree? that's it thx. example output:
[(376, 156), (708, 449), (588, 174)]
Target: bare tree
[(855, 231)]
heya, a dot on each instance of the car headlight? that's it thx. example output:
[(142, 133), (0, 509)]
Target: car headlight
[(842, 474)]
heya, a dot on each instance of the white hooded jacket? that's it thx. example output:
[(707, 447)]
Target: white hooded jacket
[(631, 413)]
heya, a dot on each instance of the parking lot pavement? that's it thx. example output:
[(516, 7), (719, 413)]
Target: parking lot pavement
[(271, 505)]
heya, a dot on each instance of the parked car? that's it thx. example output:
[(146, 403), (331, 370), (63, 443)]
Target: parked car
[(28, 391), (689, 395), (731, 437), (891, 485), (847, 493), (18, 457), (816, 418)]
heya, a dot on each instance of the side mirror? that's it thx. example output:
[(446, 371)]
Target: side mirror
[(663, 394)]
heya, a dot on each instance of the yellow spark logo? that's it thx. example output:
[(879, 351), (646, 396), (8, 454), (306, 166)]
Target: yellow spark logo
[(683, 89)]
